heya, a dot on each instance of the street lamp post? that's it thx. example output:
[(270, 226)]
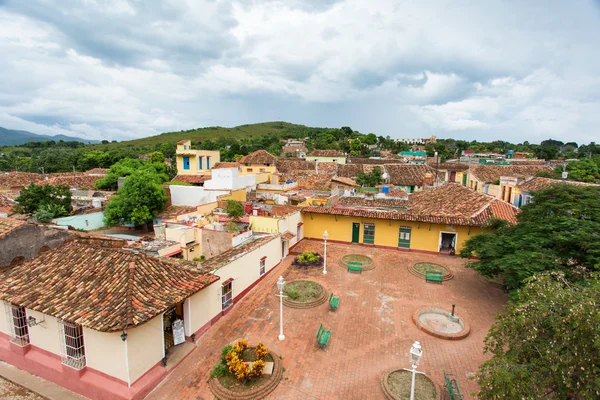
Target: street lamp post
[(437, 164), (325, 236), (280, 284), (415, 357)]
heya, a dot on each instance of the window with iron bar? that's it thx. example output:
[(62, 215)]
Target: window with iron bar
[(72, 346), (17, 321)]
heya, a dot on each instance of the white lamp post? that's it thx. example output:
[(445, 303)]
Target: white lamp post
[(325, 236), (415, 357), (280, 284)]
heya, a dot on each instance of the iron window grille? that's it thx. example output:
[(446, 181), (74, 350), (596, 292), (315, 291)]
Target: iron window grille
[(226, 295), (72, 346), (17, 321), (262, 267), (369, 234)]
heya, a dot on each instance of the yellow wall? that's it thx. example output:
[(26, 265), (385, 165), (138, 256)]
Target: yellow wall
[(264, 224), (145, 347), (105, 352), (194, 155), (206, 209), (257, 169), (424, 236), (237, 195)]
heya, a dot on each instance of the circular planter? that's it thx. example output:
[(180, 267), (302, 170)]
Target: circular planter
[(390, 390), (307, 304), (367, 262), (418, 269), (222, 393), (441, 324)]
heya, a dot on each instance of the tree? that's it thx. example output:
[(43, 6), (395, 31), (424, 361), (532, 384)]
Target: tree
[(234, 209), (545, 345), (140, 199), (168, 149), (156, 157), (34, 197), (558, 231), (127, 167), (355, 147), (370, 138), (371, 179), (584, 170)]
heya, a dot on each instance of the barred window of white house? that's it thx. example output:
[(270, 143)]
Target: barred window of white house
[(226, 295), (17, 321), (262, 266), (72, 346)]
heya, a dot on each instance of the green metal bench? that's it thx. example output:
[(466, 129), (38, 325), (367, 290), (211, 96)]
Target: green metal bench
[(323, 337), (433, 276), (355, 266), (452, 387), (334, 302)]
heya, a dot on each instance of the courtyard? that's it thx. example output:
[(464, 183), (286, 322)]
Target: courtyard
[(371, 332)]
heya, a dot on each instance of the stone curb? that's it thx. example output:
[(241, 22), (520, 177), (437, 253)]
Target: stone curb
[(412, 270), (369, 267), (391, 396), (258, 393), (315, 303), (440, 335)]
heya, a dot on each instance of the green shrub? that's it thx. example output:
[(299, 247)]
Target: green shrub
[(44, 216), (292, 293), (224, 351), (219, 370), (308, 257)]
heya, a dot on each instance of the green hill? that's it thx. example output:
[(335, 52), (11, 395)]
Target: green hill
[(213, 132)]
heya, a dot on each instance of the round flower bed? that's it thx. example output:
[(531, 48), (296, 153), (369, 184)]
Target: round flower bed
[(232, 379), (367, 262), (441, 323), (396, 385), (418, 269), (308, 259), (304, 294)]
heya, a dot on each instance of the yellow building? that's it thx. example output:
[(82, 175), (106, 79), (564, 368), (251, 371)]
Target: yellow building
[(260, 161), (436, 220), (194, 162)]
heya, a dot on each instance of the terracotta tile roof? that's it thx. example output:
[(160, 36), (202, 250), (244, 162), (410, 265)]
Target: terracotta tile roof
[(226, 165), (189, 179), (19, 179), (97, 171), (398, 193), (351, 170), (7, 202), (378, 161), (538, 183), (326, 153), (327, 168), (78, 180), (100, 287), (345, 181), (7, 225), (287, 235), (491, 173), (372, 202), (173, 211), (408, 174), (225, 258), (449, 204), (308, 180), (285, 165), (451, 166), (259, 157)]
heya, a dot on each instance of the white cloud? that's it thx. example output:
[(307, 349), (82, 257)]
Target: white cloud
[(121, 69)]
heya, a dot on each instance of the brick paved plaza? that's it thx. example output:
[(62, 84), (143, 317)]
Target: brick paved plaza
[(371, 331)]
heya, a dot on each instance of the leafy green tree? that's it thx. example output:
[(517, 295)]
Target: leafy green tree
[(168, 149), (370, 138), (355, 147), (234, 209), (371, 179), (34, 197), (140, 199), (156, 157), (584, 170), (558, 231), (127, 167), (546, 343)]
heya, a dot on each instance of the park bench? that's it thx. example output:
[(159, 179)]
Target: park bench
[(433, 276), (452, 387), (323, 337), (334, 302), (355, 266)]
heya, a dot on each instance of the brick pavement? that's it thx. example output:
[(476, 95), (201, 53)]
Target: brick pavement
[(371, 331)]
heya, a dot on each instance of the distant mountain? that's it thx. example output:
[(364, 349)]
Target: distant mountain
[(11, 137)]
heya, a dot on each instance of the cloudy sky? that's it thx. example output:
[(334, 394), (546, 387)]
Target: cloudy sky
[(120, 69)]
